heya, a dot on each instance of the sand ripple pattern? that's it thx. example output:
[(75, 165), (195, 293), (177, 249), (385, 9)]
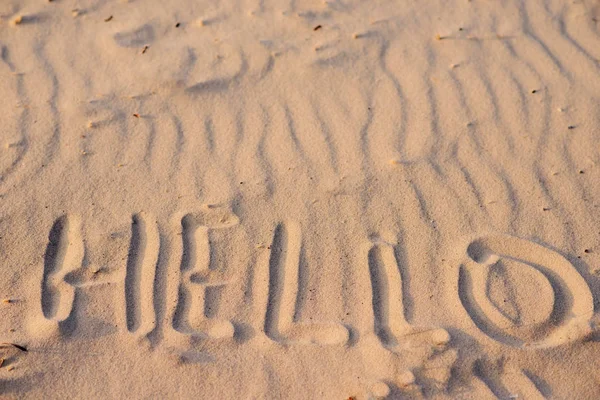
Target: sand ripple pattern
[(357, 139)]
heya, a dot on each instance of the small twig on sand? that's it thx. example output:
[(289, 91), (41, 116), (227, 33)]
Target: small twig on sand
[(16, 346)]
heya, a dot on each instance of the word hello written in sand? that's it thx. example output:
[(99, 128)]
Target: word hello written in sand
[(277, 293)]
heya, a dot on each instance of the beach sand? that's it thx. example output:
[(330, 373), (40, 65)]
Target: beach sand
[(300, 200)]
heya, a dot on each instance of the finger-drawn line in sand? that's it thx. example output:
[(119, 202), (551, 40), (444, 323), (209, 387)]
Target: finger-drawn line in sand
[(64, 254), (570, 317), (390, 323), (282, 302), (198, 281), (140, 274)]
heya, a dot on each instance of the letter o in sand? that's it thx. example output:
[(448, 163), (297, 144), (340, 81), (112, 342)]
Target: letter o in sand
[(569, 314)]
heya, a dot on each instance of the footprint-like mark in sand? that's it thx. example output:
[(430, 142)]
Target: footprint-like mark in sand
[(198, 281), (282, 292), (64, 255), (135, 38), (390, 323), (140, 274), (569, 315), (510, 382)]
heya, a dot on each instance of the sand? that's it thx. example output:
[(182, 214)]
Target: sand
[(300, 200)]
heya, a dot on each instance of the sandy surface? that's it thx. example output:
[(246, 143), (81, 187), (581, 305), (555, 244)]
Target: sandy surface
[(301, 199)]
